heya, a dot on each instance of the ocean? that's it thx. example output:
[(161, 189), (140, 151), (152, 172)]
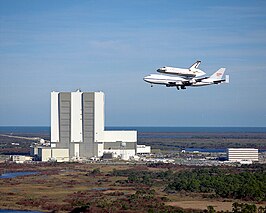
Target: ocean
[(46, 129)]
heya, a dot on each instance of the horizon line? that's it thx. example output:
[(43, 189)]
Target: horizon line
[(152, 126)]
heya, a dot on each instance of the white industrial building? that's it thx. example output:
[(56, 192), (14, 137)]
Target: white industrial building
[(143, 149), (242, 154), (20, 158), (77, 130), (53, 154)]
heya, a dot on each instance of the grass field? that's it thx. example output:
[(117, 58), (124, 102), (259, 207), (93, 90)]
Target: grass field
[(65, 186)]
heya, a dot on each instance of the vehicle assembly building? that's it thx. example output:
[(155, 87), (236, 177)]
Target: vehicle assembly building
[(77, 130)]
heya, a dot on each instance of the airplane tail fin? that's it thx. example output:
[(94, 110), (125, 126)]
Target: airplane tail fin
[(218, 74), (195, 65)]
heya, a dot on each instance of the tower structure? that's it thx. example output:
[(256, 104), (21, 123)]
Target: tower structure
[(77, 128)]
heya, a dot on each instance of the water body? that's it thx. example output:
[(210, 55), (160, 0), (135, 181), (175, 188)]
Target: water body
[(211, 150), (46, 129), (100, 189), (195, 129), (204, 150), (24, 129), (16, 174)]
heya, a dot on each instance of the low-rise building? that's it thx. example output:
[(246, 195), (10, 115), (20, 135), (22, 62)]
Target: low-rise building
[(143, 149), (242, 154), (53, 154), (20, 158)]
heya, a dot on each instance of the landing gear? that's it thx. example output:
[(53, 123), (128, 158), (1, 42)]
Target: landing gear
[(183, 87), (177, 87), (151, 85)]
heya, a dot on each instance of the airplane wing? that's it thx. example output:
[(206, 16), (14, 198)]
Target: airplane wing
[(200, 79), (171, 84), (174, 84), (219, 81)]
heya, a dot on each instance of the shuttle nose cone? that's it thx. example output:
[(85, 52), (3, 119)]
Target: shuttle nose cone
[(162, 70)]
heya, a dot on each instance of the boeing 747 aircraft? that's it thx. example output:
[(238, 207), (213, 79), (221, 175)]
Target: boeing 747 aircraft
[(176, 81), (193, 71)]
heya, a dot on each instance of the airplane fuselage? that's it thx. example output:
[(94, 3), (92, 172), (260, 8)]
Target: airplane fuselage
[(164, 79)]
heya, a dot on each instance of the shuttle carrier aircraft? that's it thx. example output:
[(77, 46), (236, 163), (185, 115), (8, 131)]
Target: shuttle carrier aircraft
[(182, 79)]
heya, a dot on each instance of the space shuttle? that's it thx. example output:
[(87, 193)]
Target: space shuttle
[(190, 72)]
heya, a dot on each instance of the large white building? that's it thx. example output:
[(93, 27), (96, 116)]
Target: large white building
[(242, 154), (77, 129)]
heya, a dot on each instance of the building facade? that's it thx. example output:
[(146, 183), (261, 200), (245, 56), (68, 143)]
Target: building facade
[(242, 154), (77, 124)]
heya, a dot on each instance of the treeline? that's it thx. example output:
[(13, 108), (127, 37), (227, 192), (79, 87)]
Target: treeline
[(143, 177), (239, 208), (245, 183)]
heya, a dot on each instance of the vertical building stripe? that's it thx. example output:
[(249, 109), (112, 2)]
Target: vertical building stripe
[(99, 116), (54, 117), (76, 116)]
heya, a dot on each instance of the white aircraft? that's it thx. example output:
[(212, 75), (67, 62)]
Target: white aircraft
[(170, 81), (193, 71)]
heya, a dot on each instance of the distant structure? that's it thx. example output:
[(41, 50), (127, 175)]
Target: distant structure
[(143, 149), (77, 130), (242, 154), (20, 158)]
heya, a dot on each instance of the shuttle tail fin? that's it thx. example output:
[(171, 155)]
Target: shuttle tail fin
[(195, 66)]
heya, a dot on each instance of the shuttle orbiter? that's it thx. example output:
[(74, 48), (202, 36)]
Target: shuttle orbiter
[(192, 72)]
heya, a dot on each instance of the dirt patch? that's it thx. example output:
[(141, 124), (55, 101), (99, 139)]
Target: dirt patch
[(202, 204)]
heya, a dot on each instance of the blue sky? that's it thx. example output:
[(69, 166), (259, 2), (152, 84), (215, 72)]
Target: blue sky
[(110, 45)]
